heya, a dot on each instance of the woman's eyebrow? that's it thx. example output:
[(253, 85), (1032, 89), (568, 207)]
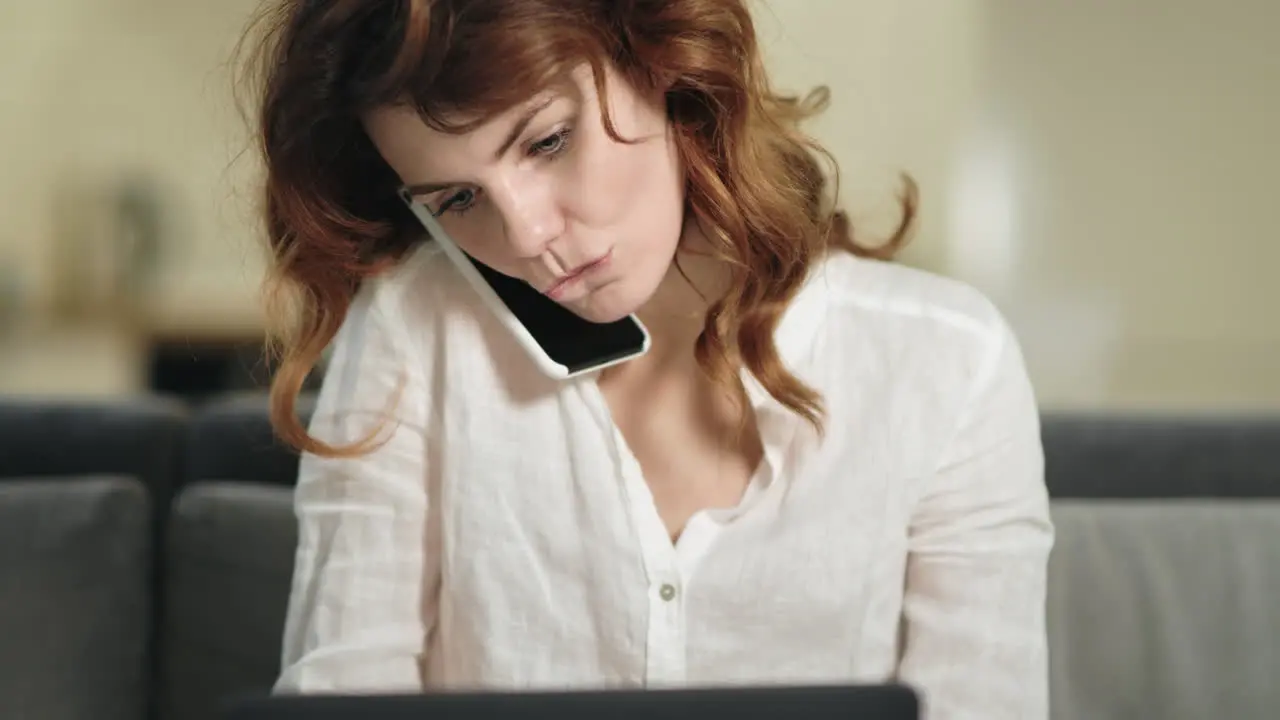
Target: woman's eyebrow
[(518, 129), (426, 188)]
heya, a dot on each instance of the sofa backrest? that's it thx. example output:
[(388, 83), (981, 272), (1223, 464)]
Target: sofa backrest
[(1165, 609), (230, 549), (231, 439), (230, 553), (1152, 457), (1163, 583), (82, 487), (141, 438), (1161, 586)]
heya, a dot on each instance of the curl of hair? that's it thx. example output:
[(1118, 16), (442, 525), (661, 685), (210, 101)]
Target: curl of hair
[(755, 182)]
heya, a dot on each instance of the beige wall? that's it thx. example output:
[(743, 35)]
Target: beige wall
[(97, 90), (1108, 171), (1105, 170), (93, 92)]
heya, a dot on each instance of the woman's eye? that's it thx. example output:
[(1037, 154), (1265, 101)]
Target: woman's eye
[(458, 202), (553, 144)]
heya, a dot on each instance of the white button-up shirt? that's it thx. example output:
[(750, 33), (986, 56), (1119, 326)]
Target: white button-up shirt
[(503, 536)]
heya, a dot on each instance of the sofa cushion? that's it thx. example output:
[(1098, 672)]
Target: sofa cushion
[(140, 438), (1165, 609), (232, 439), (1118, 456), (230, 564), (74, 598)]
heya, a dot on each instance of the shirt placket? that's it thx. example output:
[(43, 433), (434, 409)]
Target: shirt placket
[(666, 638)]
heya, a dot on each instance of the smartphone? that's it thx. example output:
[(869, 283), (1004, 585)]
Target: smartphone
[(559, 342)]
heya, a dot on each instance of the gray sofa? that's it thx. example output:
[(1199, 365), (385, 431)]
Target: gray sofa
[(146, 548)]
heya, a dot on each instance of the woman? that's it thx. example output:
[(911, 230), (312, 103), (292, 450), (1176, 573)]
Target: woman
[(826, 470)]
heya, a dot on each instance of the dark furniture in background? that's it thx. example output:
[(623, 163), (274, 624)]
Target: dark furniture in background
[(146, 550)]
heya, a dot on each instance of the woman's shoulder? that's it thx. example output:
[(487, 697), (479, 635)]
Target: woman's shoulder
[(414, 286), (914, 335), (919, 350), (413, 297), (433, 314), (908, 305), (402, 307)]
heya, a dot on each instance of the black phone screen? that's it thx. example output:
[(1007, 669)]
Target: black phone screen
[(566, 338)]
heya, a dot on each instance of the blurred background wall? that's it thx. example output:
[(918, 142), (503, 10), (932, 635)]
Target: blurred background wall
[(1106, 171)]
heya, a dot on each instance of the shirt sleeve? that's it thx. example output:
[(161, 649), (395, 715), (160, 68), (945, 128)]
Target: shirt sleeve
[(366, 571), (974, 608)]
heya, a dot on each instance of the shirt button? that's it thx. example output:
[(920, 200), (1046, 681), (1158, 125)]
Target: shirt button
[(667, 592)]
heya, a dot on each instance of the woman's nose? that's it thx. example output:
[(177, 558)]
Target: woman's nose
[(531, 219)]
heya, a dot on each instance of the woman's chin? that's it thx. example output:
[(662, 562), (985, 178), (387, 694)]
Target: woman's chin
[(600, 313), (606, 304)]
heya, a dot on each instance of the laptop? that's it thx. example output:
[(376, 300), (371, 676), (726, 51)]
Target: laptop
[(860, 702)]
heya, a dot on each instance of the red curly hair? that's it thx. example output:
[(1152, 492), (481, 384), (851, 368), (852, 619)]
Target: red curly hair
[(755, 183)]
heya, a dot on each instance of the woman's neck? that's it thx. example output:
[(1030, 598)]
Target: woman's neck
[(666, 386), (676, 314)]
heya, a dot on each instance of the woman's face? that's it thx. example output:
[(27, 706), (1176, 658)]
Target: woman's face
[(543, 193)]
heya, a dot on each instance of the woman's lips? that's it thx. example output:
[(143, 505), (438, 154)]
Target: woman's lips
[(557, 290)]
